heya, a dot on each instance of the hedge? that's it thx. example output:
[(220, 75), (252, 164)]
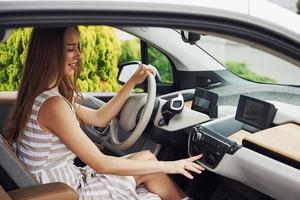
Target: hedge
[(240, 69), (12, 57), (100, 49)]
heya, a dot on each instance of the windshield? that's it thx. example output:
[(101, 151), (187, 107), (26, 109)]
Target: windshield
[(250, 63)]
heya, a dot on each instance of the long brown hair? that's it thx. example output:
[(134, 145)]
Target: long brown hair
[(44, 63)]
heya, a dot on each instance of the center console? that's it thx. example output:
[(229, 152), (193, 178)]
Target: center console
[(257, 143), (252, 114), (212, 145)]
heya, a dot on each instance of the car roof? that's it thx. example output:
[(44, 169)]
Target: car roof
[(253, 11), (255, 19)]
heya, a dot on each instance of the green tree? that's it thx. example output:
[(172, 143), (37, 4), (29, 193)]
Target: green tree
[(131, 52), (12, 58), (162, 64), (100, 50), (243, 71), (298, 6)]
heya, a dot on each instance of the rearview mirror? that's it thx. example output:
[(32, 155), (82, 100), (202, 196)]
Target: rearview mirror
[(190, 37)]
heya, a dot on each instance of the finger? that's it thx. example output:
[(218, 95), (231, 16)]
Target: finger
[(194, 158), (190, 167), (142, 67), (147, 68), (187, 174), (145, 73), (152, 70), (197, 166), (193, 169), (149, 72)]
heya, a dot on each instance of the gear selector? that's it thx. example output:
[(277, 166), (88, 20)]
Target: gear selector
[(171, 108)]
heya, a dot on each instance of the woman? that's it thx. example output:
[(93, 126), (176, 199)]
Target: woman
[(48, 134)]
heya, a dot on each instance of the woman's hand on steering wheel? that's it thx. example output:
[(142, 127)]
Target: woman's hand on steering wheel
[(141, 74)]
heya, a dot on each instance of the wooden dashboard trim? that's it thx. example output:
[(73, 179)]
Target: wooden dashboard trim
[(283, 139)]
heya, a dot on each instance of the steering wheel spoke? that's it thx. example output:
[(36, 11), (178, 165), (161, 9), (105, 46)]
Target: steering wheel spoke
[(129, 113)]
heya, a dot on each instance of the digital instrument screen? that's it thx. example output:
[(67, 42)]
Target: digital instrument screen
[(205, 101), (177, 104), (255, 112), (202, 104)]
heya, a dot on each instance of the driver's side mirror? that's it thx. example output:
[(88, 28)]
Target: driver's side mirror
[(126, 70)]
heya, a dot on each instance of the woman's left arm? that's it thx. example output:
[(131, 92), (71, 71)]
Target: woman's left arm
[(106, 113)]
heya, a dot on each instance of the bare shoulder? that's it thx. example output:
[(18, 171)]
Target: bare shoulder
[(55, 103), (52, 110)]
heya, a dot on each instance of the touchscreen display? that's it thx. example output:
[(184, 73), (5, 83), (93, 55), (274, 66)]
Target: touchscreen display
[(255, 112)]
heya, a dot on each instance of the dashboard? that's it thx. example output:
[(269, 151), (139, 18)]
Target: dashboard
[(255, 142), (232, 147)]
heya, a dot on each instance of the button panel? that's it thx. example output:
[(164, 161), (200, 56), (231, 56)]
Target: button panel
[(212, 145)]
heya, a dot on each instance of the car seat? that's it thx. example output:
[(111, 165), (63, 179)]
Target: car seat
[(16, 178)]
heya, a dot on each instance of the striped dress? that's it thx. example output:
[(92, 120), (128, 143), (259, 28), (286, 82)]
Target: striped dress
[(49, 160)]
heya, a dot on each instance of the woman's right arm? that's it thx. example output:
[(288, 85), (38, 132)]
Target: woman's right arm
[(56, 116)]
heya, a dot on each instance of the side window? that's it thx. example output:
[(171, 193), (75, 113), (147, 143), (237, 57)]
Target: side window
[(103, 48), (162, 64), (130, 47), (131, 51)]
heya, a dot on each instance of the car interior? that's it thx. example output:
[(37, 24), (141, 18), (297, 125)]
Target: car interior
[(247, 132)]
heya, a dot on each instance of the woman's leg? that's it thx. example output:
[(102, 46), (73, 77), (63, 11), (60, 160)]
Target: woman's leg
[(158, 183)]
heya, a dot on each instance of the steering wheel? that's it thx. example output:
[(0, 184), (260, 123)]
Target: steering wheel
[(129, 115)]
